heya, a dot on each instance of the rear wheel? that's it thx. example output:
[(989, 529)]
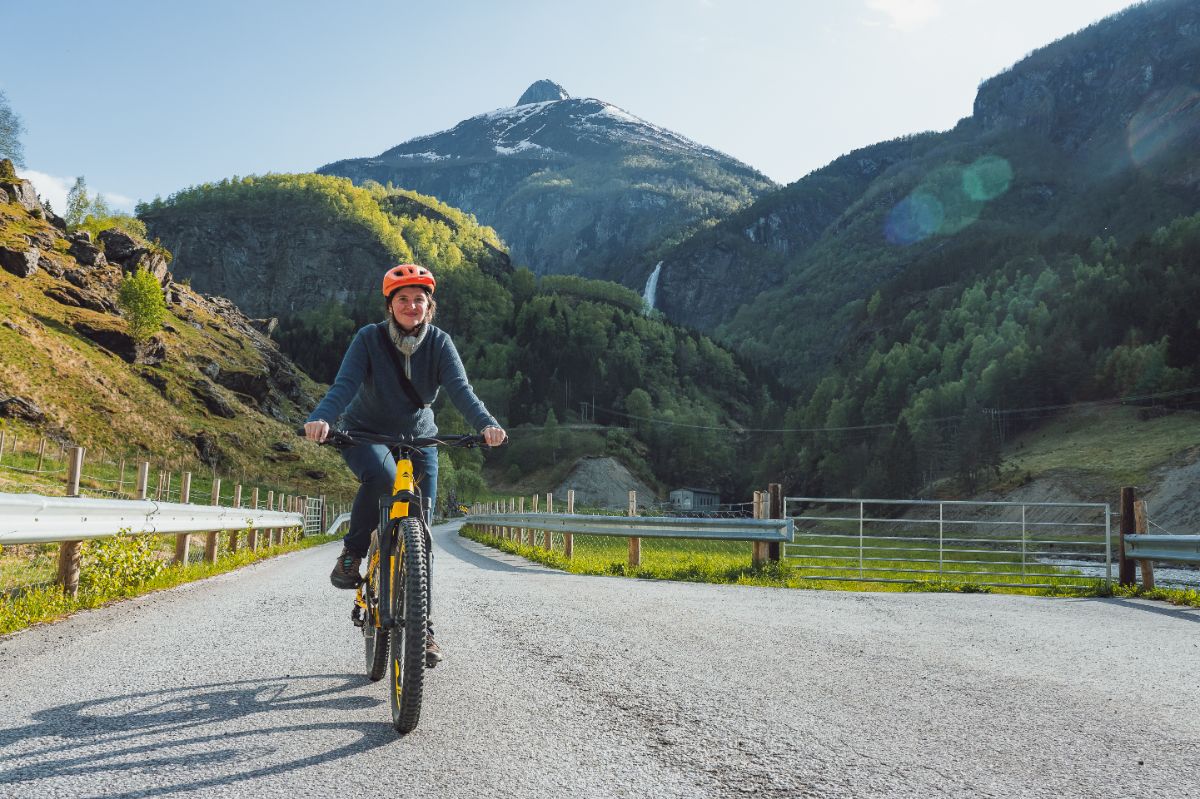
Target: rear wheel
[(411, 581), (375, 638)]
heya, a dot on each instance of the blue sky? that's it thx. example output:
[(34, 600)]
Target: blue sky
[(145, 98)]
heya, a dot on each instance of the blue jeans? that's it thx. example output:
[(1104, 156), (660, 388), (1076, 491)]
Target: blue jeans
[(372, 464)]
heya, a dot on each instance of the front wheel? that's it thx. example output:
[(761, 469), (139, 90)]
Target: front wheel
[(411, 611)]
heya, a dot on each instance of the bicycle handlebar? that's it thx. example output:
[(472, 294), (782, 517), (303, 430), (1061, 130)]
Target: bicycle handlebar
[(350, 438)]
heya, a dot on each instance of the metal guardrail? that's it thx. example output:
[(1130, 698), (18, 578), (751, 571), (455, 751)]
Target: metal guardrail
[(343, 518), (1182, 548), (735, 529), (35, 519)]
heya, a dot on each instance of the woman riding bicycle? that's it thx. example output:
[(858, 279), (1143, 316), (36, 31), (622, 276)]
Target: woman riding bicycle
[(387, 382)]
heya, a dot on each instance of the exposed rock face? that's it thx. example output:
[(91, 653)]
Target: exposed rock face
[(131, 254), (20, 408), (23, 193), (573, 186), (544, 91), (21, 263)]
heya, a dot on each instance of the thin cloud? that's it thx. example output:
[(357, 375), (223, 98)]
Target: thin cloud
[(906, 15)]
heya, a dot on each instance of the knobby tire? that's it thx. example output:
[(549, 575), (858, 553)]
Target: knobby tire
[(408, 639)]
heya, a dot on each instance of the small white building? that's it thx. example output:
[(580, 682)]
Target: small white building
[(695, 499)]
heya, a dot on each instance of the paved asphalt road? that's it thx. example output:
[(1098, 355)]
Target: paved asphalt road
[(250, 684)]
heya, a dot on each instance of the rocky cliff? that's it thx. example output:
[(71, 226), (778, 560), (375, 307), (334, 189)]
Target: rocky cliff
[(572, 185)]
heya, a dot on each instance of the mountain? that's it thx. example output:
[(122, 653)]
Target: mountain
[(1095, 135), (572, 185)]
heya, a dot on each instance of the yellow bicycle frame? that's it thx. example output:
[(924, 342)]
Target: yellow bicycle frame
[(404, 483)]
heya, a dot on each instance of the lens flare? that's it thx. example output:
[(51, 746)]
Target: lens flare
[(987, 178), (918, 216), (1164, 118)]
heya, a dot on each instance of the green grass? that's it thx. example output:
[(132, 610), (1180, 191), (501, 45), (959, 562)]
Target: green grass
[(692, 560), (1186, 597), (20, 609)]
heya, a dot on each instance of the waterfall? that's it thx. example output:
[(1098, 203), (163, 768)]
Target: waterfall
[(651, 288)]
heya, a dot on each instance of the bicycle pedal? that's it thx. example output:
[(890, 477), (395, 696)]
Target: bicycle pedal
[(356, 616)]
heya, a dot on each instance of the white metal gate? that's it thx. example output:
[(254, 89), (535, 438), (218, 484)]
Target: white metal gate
[(1012, 544)]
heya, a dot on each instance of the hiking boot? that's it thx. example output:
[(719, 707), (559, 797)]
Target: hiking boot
[(433, 652), (345, 571)]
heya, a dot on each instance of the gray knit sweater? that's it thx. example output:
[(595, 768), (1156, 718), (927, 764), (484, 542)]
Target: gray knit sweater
[(366, 394)]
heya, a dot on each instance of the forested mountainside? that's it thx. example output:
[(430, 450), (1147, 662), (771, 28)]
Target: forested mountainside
[(311, 249), (920, 295), (1095, 135), (573, 186), (206, 386)]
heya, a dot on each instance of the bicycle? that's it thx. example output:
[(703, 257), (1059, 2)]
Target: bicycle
[(393, 603)]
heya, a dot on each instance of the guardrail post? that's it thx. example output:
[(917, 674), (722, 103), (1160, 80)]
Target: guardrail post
[(775, 509), (635, 544), (210, 539), (569, 538), (1141, 527), (69, 551), (183, 541), (548, 538), (1126, 570)]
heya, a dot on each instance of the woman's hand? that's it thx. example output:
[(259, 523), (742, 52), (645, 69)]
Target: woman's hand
[(494, 436), (316, 431)]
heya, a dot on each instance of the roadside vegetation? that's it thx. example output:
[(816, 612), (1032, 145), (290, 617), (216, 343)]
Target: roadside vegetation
[(730, 562), (112, 569)]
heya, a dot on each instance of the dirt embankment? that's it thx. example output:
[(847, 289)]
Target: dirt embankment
[(604, 483)]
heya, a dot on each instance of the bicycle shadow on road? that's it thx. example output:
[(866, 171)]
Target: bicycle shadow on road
[(141, 737)]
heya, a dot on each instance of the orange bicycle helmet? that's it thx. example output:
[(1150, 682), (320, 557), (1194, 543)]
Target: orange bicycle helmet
[(407, 275)]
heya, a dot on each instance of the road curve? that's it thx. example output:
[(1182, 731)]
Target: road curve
[(250, 684)]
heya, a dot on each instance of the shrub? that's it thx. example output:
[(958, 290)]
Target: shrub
[(142, 303)]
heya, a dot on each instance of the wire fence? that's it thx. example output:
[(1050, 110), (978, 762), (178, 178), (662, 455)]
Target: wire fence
[(1005, 544)]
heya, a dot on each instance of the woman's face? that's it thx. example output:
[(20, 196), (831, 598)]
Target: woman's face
[(410, 306)]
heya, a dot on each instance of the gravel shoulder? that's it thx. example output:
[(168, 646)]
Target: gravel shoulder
[(251, 683)]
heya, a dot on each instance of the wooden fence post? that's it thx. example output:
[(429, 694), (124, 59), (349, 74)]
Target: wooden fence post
[(635, 544), (41, 454), (1126, 569), (519, 533), (1141, 527), (210, 538), (3, 440), (759, 549), (237, 503), (529, 533), (252, 536), (271, 530), (775, 509), (69, 551), (548, 538), (183, 541), (142, 489), (569, 538)]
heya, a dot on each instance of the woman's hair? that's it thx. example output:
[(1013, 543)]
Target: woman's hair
[(387, 304)]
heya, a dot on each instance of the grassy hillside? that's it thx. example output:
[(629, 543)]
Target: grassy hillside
[(84, 393)]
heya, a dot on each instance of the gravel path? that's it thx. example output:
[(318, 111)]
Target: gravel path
[(250, 684)]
